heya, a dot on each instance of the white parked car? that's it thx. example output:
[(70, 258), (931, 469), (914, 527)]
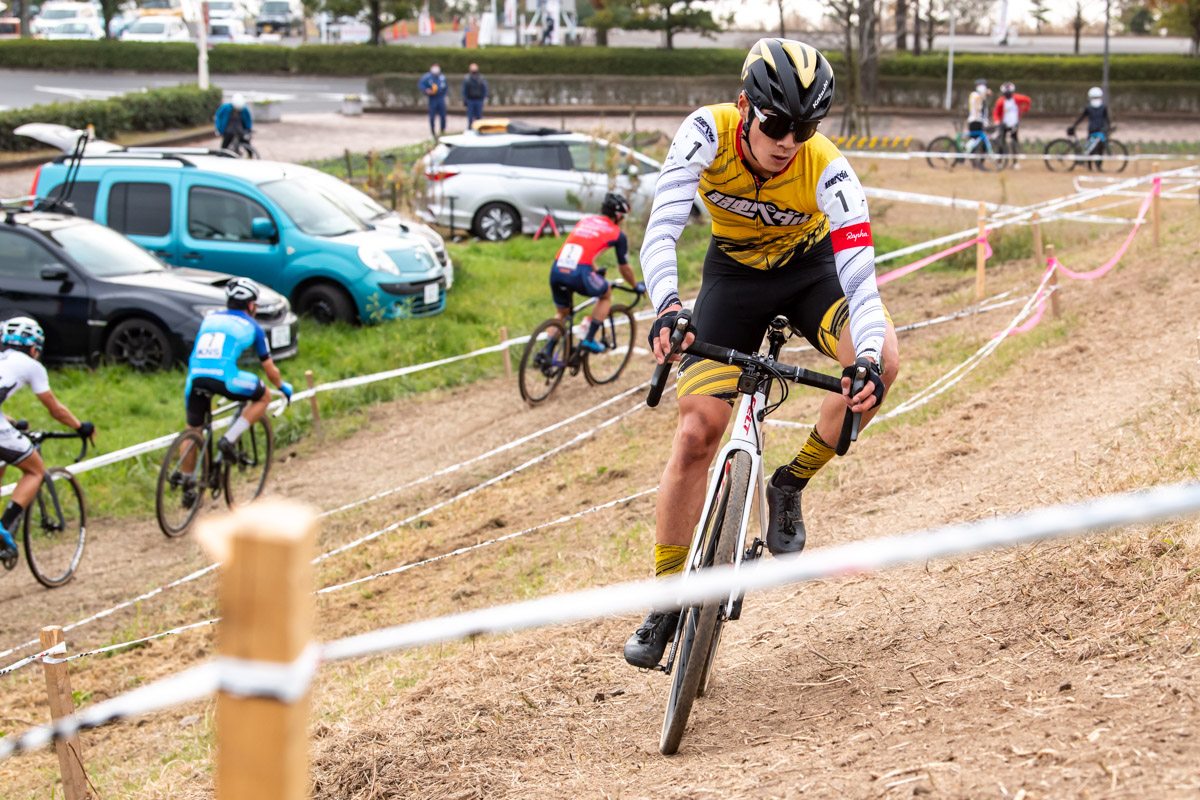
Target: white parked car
[(160, 28), (87, 28), (229, 31), (55, 12), (504, 183)]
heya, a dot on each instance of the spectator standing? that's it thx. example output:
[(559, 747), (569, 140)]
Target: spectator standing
[(433, 84), (231, 120), (977, 109), (474, 92), (1010, 107)]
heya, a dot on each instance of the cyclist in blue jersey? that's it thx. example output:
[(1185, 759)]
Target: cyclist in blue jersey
[(213, 368)]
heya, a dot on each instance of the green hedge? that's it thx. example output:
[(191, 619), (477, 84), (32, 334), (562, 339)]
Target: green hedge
[(361, 59), (154, 110)]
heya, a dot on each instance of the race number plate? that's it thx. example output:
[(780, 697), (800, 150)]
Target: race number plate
[(281, 336), (431, 293)]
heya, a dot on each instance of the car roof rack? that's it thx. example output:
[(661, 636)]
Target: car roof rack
[(119, 154), (183, 151)]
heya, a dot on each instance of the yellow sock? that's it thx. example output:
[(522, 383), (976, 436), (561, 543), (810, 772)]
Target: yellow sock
[(669, 559), (808, 462)]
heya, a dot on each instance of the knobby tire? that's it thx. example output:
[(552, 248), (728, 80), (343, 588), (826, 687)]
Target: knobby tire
[(617, 334), (173, 518), (256, 449), (1055, 152), (947, 146), (54, 544), (700, 631), (538, 383)]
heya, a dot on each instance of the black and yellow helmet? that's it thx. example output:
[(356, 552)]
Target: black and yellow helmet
[(789, 78)]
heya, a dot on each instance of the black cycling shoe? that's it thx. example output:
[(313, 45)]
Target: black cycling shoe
[(190, 496), (785, 524), (648, 643), (228, 450)]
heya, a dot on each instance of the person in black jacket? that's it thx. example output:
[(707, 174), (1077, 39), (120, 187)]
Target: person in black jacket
[(475, 91)]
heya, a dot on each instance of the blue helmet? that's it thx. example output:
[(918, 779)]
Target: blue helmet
[(22, 332)]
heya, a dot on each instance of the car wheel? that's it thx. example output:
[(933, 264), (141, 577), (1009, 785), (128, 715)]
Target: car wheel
[(325, 303), (497, 222), (140, 343)]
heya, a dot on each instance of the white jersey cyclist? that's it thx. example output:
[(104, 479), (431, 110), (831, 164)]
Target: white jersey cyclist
[(17, 371), (764, 224)]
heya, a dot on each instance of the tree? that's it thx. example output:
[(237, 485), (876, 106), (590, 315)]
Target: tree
[(917, 27), (674, 16), (604, 16), (856, 21), (782, 26), (1137, 20), (108, 10), (1040, 12), (378, 14), (902, 25), (1077, 23), (1182, 17)]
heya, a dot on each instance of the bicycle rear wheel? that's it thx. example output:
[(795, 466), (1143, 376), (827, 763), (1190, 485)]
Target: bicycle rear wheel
[(1114, 148), (617, 334), (55, 529), (540, 373), (948, 155), (245, 479), (180, 492), (1060, 155), (700, 626)]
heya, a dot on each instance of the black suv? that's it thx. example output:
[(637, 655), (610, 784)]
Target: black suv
[(97, 294)]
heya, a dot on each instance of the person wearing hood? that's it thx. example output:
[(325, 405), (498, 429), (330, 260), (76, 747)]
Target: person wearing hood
[(433, 85), (474, 92), (231, 120)]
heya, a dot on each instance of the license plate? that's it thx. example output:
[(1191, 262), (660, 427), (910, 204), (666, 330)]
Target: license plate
[(431, 293), (281, 336)]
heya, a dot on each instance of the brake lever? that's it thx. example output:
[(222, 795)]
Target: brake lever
[(663, 370), (853, 419)]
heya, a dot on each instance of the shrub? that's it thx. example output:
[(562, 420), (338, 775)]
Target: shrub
[(153, 110)]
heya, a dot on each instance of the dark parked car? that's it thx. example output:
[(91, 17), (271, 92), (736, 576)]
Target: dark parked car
[(97, 294)]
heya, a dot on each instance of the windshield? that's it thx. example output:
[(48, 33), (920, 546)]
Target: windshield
[(270, 7), (219, 30), (357, 203), (311, 209), (60, 13), (71, 27), (145, 27), (219, 5), (103, 252)]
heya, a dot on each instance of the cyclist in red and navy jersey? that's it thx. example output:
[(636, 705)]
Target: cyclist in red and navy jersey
[(574, 267)]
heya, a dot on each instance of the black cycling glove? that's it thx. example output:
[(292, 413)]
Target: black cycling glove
[(667, 320), (85, 429), (873, 374)]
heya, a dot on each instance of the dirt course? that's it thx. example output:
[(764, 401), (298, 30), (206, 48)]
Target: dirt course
[(1057, 670)]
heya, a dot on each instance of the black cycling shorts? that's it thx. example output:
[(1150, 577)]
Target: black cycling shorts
[(15, 446), (736, 303), (199, 399), (582, 279)]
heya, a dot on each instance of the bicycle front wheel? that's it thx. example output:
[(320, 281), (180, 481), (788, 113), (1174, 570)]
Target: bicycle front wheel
[(541, 370), (179, 492), (1119, 155), (617, 334), (947, 153), (55, 529), (1060, 155), (700, 626), (246, 477)]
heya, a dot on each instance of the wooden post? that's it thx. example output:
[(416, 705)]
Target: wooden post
[(312, 402), (1055, 308), (349, 164), (267, 609), (1156, 212), (980, 253), (58, 687), (507, 356)]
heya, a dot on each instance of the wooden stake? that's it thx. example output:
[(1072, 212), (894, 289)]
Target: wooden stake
[(1055, 308), (507, 356), (267, 609), (981, 253), (58, 687), (312, 402), (1156, 211)]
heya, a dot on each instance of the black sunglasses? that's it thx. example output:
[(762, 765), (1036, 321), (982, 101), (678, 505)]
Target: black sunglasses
[(775, 126)]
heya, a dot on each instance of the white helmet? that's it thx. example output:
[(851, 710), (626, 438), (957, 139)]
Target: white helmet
[(1095, 93), (22, 332), (241, 291), (238, 101)]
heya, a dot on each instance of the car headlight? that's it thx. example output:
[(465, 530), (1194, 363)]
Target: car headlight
[(205, 310), (377, 260)]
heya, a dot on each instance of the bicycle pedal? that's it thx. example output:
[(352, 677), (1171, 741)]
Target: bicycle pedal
[(755, 550)]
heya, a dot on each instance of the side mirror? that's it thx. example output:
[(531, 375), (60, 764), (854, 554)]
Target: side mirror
[(263, 228), (55, 273)]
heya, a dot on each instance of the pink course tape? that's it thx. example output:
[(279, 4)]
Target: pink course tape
[(1053, 263), (900, 272)]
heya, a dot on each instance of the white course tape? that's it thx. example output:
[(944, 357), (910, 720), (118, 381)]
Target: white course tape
[(934, 200), (286, 683), (58, 649)]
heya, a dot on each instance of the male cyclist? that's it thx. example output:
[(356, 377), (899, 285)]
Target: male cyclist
[(977, 114), (22, 339), (213, 368), (1096, 113), (1008, 112), (791, 236), (574, 268)]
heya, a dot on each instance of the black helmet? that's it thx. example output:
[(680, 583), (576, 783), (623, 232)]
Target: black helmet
[(789, 78), (614, 203)]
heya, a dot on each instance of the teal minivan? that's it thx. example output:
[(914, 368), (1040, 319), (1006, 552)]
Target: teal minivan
[(273, 222)]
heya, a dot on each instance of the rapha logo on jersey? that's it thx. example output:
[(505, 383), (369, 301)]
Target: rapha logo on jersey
[(841, 176), (703, 126), (769, 213)]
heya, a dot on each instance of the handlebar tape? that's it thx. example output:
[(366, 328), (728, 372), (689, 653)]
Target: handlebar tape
[(663, 370)]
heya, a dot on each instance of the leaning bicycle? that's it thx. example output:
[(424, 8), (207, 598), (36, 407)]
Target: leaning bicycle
[(1098, 151), (55, 523), (194, 468), (543, 366), (720, 538), (988, 152)]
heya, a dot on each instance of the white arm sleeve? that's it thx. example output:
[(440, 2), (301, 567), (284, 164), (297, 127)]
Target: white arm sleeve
[(692, 152), (843, 201)]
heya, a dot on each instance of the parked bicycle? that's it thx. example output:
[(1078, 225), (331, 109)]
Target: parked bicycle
[(1099, 151), (55, 524), (193, 467), (720, 538), (241, 146), (540, 372), (988, 152)]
